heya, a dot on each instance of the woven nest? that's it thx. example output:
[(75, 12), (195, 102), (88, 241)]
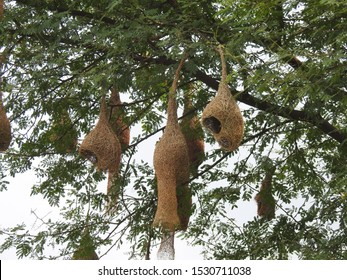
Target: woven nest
[(86, 248), (116, 121), (123, 134), (101, 146), (265, 201), (222, 116), (171, 164), (63, 134), (5, 128), (193, 134)]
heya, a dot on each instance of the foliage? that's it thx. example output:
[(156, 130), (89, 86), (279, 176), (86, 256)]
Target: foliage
[(287, 64)]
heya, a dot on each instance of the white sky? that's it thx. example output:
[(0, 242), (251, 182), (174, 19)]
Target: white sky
[(16, 206)]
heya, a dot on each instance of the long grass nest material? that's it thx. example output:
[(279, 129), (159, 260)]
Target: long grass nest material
[(222, 116), (264, 198), (171, 164), (101, 146), (193, 132), (116, 119), (5, 127)]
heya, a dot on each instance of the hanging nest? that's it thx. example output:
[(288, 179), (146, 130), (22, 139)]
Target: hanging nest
[(116, 121), (193, 133), (86, 248), (171, 164), (264, 198), (5, 127), (63, 134), (101, 146), (123, 134), (222, 116)]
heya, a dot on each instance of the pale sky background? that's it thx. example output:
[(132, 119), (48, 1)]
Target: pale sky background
[(16, 206)]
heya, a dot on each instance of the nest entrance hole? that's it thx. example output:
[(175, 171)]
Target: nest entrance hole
[(213, 124)]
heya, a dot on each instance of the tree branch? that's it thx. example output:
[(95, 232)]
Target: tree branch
[(244, 97), (314, 119), (263, 105)]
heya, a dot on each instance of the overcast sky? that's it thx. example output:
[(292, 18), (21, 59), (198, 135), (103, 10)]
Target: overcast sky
[(16, 206)]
